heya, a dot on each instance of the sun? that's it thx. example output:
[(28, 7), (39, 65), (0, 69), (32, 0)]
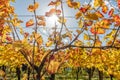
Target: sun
[(52, 20)]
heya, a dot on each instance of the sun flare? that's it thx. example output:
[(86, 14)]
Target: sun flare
[(52, 20)]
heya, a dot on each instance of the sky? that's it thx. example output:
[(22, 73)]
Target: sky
[(23, 14)]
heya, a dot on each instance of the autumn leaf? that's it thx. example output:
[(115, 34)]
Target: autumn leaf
[(86, 37), (32, 8), (99, 14), (36, 5), (30, 23), (104, 9), (78, 43), (117, 20), (26, 34), (105, 23), (72, 4), (8, 38), (2, 73), (96, 51), (49, 43), (54, 3), (41, 18), (110, 13), (78, 15), (41, 23), (53, 66), (62, 20), (53, 12), (91, 16), (118, 3), (98, 43), (38, 38), (80, 23), (85, 8), (88, 23), (67, 34), (98, 3), (97, 30)]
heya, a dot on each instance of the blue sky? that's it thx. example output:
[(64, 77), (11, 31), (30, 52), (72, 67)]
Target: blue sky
[(21, 9)]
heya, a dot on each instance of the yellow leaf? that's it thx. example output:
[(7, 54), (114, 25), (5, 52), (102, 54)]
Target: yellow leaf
[(96, 51), (91, 16), (38, 39), (72, 4), (32, 8), (49, 43), (104, 9), (78, 14), (98, 3), (78, 31), (99, 14), (78, 43), (36, 5), (76, 5), (80, 24), (86, 37), (2, 73), (62, 20), (98, 43), (53, 66)]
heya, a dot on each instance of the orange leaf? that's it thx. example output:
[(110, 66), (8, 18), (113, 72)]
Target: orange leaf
[(83, 10), (32, 8), (117, 20), (98, 3), (53, 11), (104, 9), (99, 14), (78, 14), (8, 38), (41, 23), (26, 34), (47, 14), (118, 2), (98, 43), (36, 5), (74, 5), (97, 30), (29, 23), (52, 3), (91, 16), (110, 13), (41, 18), (88, 23)]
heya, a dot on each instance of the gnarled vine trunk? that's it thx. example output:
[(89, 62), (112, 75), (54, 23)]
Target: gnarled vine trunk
[(100, 75), (52, 77), (18, 72)]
